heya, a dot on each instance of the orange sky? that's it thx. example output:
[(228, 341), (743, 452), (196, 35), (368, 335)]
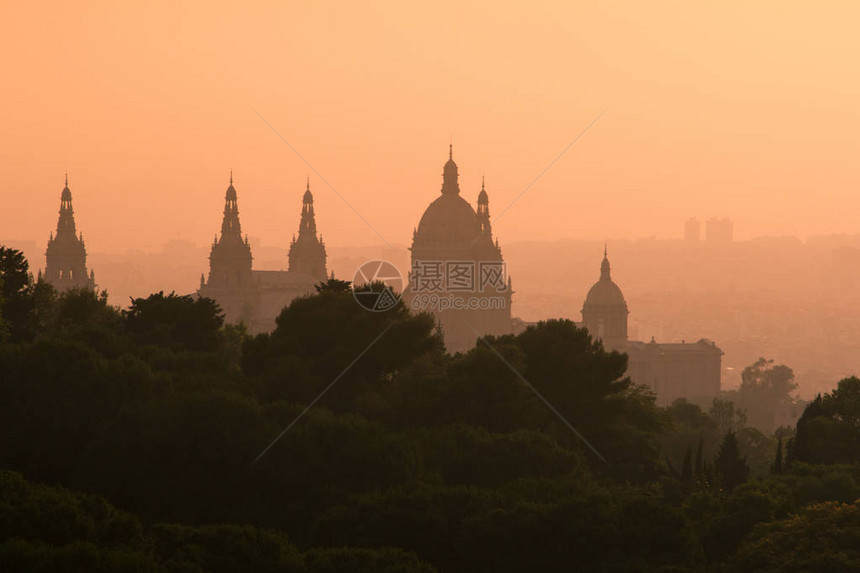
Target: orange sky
[(739, 109)]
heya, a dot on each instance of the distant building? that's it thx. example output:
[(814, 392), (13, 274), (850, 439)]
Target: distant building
[(671, 370), (605, 312), (674, 370), (255, 298), (719, 230), (458, 272), (693, 230), (66, 257)]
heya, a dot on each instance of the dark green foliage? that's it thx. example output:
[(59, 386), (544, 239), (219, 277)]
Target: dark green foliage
[(687, 468), (415, 459), (776, 468), (45, 529), (317, 339), (174, 321), (730, 469), (823, 537), (829, 430), (23, 302)]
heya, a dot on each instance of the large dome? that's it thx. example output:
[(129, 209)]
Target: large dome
[(449, 220), (605, 292)]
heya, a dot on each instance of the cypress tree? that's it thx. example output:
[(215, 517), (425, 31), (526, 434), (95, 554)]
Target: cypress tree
[(730, 470)]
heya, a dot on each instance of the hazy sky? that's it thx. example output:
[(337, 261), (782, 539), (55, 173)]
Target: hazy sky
[(739, 109)]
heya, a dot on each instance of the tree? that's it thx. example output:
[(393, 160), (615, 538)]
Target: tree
[(687, 469), (765, 388), (329, 335), (828, 432), (776, 468), (727, 416), (821, 537), (730, 469), (181, 322), (699, 469), (18, 310), (4, 326), (333, 285)]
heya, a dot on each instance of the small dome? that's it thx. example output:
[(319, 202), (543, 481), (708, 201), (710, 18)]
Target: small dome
[(66, 195), (605, 292), (308, 198), (231, 193)]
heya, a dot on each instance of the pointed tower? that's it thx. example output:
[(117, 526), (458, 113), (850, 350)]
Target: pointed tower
[(230, 258), (307, 251), (484, 209), (450, 175), (66, 257), (605, 312)]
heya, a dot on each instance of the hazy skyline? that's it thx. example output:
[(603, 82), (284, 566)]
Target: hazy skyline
[(745, 111)]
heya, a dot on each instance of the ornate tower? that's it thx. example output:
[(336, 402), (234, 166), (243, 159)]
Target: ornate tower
[(66, 257), (605, 312), (484, 209), (456, 261), (307, 252), (230, 259)]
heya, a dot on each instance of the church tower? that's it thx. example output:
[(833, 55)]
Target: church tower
[(230, 258), (66, 257), (605, 312), (307, 252), (231, 281)]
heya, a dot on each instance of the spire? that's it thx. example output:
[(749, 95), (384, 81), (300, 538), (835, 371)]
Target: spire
[(450, 175), (308, 224), (66, 222), (230, 226), (307, 251), (604, 266), (66, 256), (483, 198)]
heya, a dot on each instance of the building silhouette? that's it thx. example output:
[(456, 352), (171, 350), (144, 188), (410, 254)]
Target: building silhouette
[(604, 312), (671, 370), (252, 297), (719, 230), (307, 252), (693, 230), (66, 256), (458, 272)]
